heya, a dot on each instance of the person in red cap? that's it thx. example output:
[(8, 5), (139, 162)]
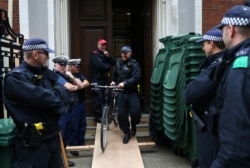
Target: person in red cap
[(100, 64)]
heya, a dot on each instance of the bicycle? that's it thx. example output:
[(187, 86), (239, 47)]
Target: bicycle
[(108, 114)]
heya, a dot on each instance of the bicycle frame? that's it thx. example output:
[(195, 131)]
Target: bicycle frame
[(107, 116)]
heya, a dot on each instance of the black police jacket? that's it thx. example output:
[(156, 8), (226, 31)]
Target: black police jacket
[(81, 92), (100, 66), (233, 106), (73, 96), (201, 90), (129, 72), (33, 95)]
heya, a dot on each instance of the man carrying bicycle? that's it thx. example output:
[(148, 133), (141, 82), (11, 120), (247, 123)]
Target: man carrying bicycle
[(127, 76)]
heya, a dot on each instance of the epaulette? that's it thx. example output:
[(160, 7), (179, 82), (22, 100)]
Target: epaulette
[(133, 60), (244, 51), (18, 70)]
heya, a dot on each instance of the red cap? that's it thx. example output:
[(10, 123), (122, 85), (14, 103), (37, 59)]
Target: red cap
[(102, 41)]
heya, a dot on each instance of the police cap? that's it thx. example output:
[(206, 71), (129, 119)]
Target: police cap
[(211, 35), (75, 62), (36, 44), (62, 60), (236, 16), (126, 49)]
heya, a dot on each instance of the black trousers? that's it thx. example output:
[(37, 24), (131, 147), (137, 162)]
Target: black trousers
[(128, 106), (46, 155), (208, 145), (99, 101)]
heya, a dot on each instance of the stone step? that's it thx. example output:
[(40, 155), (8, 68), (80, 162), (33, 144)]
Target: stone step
[(91, 120), (142, 130), (141, 136)]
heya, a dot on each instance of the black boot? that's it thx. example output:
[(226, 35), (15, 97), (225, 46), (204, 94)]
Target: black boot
[(126, 138), (74, 153), (133, 130), (98, 119), (71, 164)]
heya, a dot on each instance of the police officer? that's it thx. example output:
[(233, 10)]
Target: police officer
[(231, 117), (66, 121), (127, 76), (35, 97), (79, 125), (201, 91), (60, 65), (100, 64)]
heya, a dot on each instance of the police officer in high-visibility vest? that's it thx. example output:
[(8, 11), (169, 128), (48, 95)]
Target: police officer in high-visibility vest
[(127, 75)]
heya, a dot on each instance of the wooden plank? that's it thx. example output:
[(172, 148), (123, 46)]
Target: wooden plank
[(91, 147), (116, 153), (81, 148), (142, 144)]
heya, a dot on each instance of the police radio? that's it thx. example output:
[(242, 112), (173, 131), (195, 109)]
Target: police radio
[(36, 79)]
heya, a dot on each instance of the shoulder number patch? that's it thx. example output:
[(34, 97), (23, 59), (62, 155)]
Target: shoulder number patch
[(241, 62)]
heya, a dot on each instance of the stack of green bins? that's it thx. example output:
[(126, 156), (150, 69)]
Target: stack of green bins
[(194, 58), (156, 88), (155, 120), (175, 65), (183, 66), (6, 142), (174, 117)]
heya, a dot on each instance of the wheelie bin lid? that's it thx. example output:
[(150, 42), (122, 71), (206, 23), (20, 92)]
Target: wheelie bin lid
[(6, 131)]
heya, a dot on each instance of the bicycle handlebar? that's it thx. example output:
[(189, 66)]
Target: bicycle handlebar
[(96, 86)]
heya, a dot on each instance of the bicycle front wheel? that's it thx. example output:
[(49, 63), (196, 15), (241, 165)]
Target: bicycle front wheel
[(115, 112), (104, 128)]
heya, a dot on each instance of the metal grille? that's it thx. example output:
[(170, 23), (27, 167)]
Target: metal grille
[(10, 51)]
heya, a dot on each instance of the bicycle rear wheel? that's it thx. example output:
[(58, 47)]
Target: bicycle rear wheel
[(104, 128)]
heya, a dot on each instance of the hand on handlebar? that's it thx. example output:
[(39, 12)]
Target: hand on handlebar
[(121, 85), (112, 83)]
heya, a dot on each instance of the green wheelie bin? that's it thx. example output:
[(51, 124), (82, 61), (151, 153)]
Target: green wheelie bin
[(6, 142)]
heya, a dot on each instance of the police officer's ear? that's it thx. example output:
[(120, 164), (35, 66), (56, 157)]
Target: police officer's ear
[(130, 53), (211, 44), (34, 55)]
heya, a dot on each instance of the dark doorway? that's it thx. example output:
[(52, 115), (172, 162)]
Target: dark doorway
[(123, 22), (130, 21)]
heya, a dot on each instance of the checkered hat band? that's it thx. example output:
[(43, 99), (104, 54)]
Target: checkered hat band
[(35, 47), (236, 21), (212, 38)]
